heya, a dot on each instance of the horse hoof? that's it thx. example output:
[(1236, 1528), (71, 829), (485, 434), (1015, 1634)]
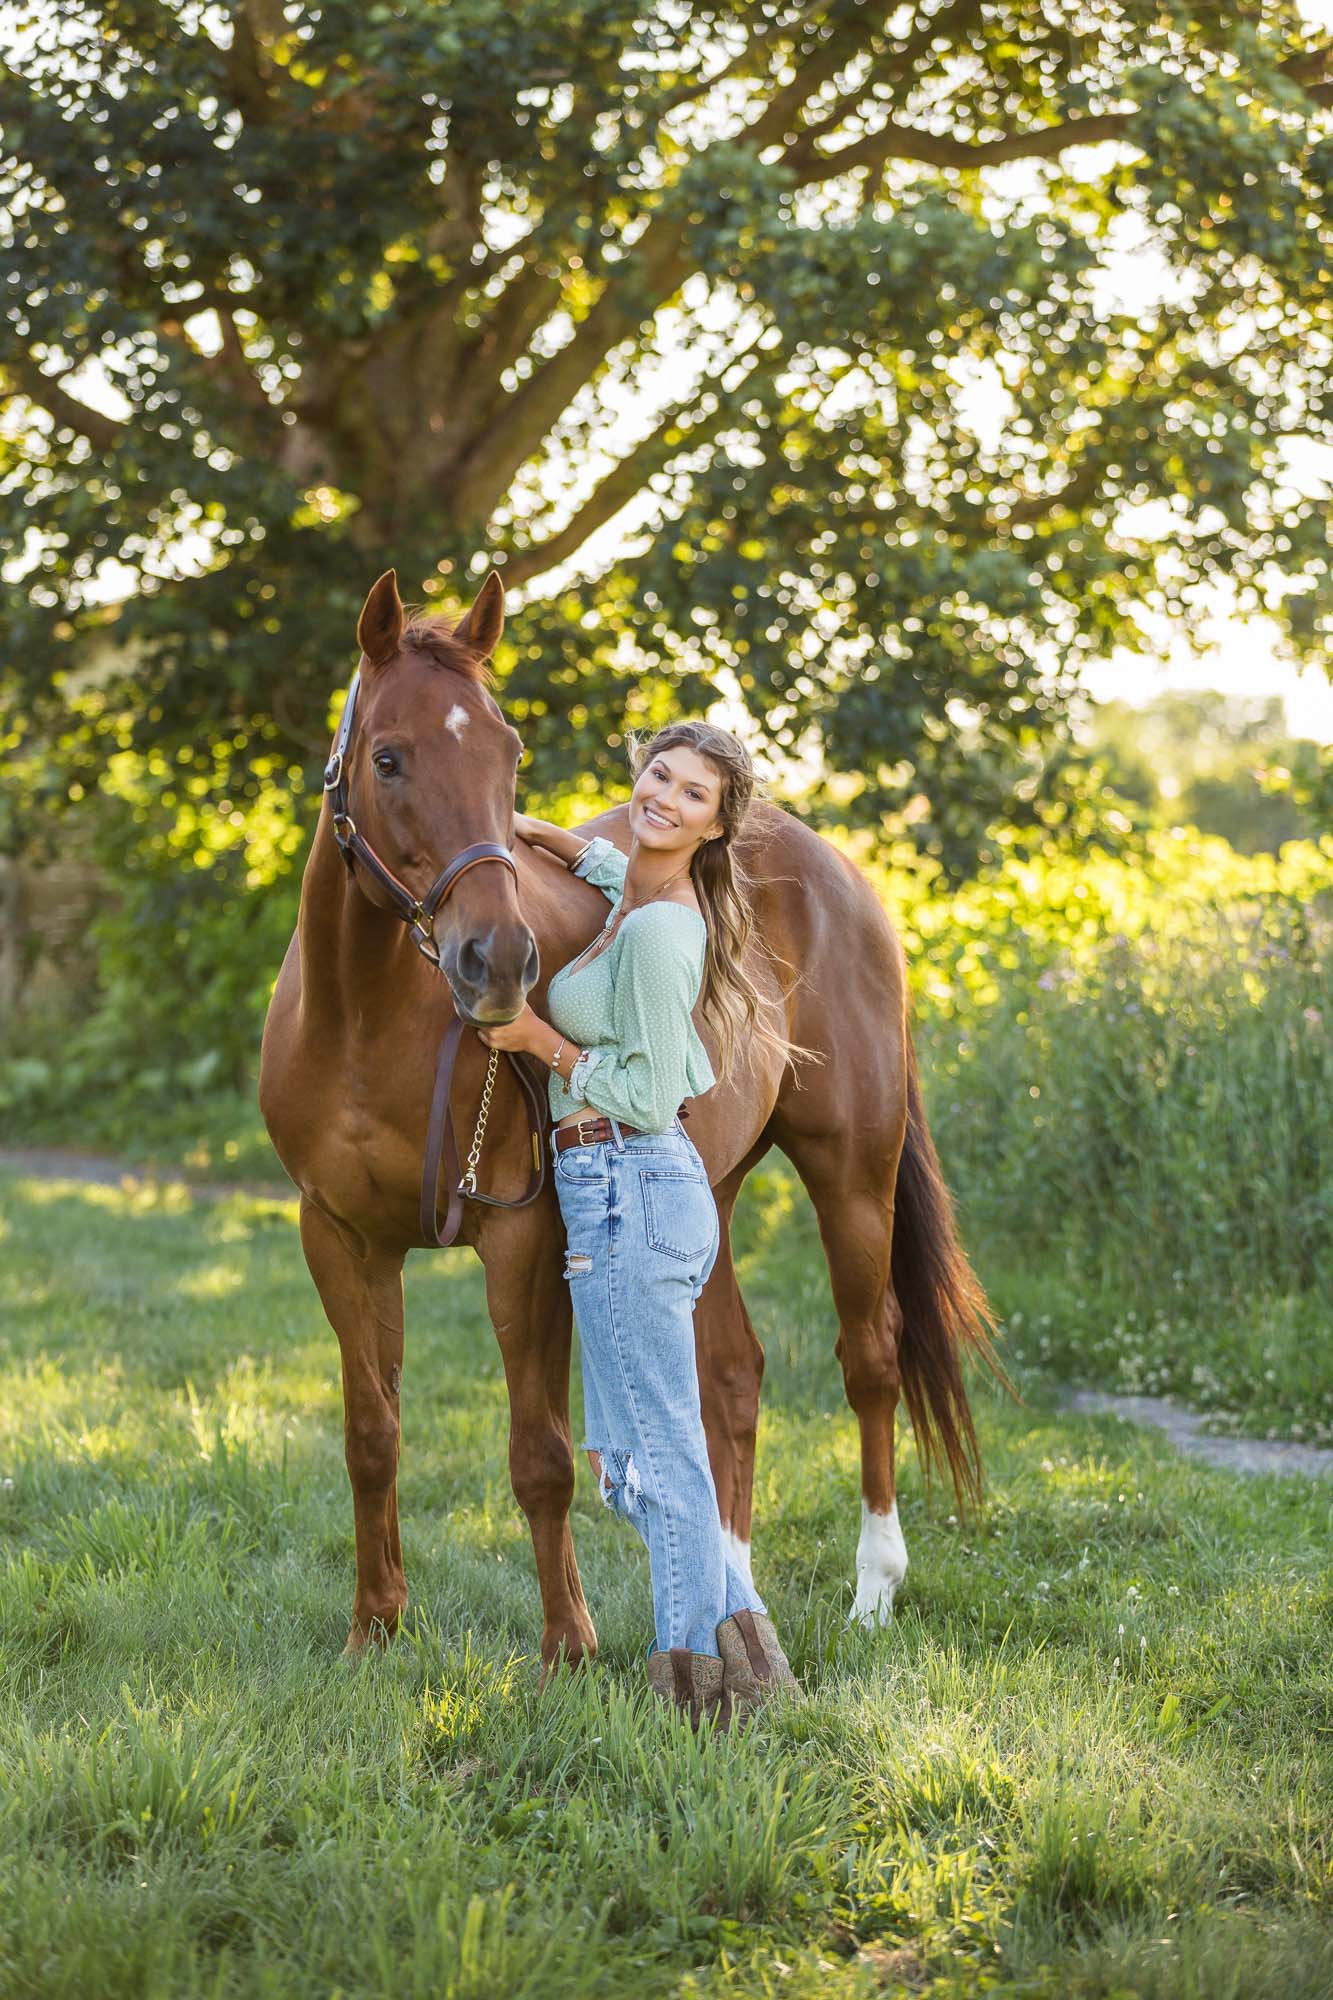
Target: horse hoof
[(881, 1565), (566, 1653), (378, 1633)]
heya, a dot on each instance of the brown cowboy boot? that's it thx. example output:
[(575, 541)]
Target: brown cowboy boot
[(692, 1681), (754, 1666)]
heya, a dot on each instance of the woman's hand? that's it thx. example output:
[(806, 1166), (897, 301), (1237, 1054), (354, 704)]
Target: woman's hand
[(538, 832), (527, 1032), (565, 845)]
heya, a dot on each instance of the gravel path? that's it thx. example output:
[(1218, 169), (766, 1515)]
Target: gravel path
[(1187, 1434)]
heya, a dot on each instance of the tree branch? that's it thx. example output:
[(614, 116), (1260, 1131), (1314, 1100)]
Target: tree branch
[(660, 267), (774, 122), (238, 370), (894, 67), (1085, 479), (504, 431), (230, 365), (525, 304), (771, 33), (954, 19), (621, 485), (893, 141), (1078, 488), (1311, 66), (245, 63), (903, 142)]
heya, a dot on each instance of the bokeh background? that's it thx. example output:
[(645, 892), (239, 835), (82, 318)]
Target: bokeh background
[(938, 394)]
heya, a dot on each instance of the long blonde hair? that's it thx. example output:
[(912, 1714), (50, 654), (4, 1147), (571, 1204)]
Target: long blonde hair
[(729, 1000)]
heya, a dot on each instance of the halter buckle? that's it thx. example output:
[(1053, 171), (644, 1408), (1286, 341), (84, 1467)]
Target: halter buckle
[(423, 937), (333, 771)]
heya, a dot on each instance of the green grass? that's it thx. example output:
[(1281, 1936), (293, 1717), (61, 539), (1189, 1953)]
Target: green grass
[(1091, 1756), (1138, 1134)]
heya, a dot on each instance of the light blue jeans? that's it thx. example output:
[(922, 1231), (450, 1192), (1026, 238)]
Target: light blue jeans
[(642, 1235)]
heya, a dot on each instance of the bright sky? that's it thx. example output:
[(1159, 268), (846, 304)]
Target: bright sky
[(1243, 660)]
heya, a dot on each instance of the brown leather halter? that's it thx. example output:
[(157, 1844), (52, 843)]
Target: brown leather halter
[(419, 914)]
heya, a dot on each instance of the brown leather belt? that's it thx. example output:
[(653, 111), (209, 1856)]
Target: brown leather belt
[(588, 1132), (592, 1131)]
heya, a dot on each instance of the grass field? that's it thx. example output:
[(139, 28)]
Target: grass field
[(1091, 1756)]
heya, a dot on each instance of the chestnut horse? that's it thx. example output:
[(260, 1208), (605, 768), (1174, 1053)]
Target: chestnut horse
[(349, 1045)]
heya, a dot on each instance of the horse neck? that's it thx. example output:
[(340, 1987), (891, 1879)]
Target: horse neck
[(347, 943)]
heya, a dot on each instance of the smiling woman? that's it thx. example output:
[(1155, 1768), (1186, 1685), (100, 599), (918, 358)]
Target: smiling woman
[(642, 1226), (678, 814)]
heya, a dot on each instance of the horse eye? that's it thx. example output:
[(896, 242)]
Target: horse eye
[(386, 764)]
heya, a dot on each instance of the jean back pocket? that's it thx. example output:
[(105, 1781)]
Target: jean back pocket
[(679, 1213)]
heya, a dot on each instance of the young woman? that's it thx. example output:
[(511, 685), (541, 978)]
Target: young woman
[(641, 1222)]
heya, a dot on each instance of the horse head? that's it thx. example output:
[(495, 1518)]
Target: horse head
[(428, 773)]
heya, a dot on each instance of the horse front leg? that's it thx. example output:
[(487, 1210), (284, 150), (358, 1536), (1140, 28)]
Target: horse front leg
[(361, 1288), (532, 1315)]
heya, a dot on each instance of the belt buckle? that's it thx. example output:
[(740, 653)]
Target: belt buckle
[(584, 1141)]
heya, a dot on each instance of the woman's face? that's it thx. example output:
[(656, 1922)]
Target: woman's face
[(674, 805)]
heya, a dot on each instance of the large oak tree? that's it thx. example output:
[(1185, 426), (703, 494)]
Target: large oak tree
[(374, 283)]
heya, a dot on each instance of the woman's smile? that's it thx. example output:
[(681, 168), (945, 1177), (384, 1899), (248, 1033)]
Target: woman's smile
[(678, 792)]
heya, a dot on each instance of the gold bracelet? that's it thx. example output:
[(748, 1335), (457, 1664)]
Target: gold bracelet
[(556, 1057)]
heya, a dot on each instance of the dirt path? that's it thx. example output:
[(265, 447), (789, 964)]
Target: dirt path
[(60, 1163), (1187, 1434)]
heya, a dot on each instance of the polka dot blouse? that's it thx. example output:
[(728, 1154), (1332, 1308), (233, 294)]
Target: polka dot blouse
[(629, 1008)]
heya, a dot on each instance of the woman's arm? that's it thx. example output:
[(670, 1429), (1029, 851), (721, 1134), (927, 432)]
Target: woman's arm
[(557, 840), (597, 860)]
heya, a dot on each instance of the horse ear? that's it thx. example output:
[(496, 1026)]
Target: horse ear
[(379, 629), (480, 630)]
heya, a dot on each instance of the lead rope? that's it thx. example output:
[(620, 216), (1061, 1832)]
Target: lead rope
[(468, 1184)]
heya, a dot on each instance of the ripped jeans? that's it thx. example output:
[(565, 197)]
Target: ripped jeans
[(642, 1235)]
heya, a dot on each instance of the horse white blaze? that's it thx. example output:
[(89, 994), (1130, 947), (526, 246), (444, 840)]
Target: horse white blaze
[(738, 1554), (456, 720), (881, 1565)]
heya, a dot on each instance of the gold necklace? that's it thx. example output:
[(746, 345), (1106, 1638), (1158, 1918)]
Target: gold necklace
[(594, 948), (657, 892)]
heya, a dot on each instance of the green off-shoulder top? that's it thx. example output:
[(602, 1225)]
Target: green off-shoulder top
[(629, 1008)]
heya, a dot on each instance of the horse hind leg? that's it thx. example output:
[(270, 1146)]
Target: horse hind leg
[(362, 1293), (856, 1228), (731, 1373)]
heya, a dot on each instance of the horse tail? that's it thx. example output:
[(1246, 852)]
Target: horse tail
[(945, 1312)]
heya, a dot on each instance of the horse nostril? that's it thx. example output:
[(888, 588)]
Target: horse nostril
[(532, 969), (472, 962)]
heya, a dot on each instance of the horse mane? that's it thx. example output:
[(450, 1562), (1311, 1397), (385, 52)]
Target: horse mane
[(432, 633)]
